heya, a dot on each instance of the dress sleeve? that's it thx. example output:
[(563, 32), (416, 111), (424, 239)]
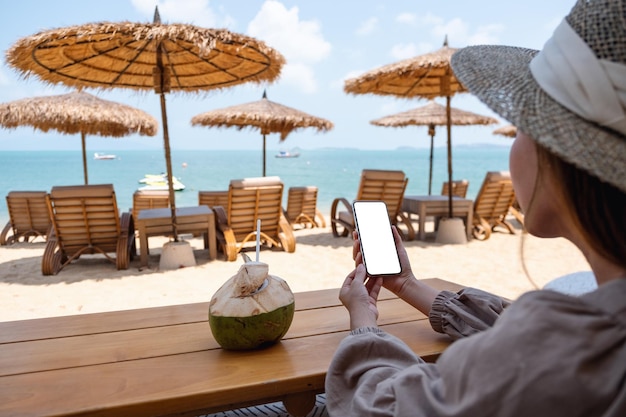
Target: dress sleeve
[(536, 360), (464, 313), (353, 385)]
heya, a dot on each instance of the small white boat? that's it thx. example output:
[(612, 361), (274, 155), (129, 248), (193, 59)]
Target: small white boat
[(158, 182), (287, 154), (104, 156)]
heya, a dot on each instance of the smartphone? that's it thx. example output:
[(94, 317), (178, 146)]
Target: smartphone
[(378, 247)]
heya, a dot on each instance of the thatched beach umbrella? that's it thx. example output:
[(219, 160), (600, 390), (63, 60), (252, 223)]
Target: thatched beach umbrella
[(426, 76), (77, 112), (432, 115), (264, 115), (146, 56), (509, 131)]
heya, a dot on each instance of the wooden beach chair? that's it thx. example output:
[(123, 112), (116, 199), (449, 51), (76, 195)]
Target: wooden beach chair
[(302, 207), (213, 198), (144, 199), (459, 188), (250, 199), (385, 185), (85, 220), (28, 217), (492, 204)]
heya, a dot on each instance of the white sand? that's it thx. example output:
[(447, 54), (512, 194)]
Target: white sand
[(92, 284)]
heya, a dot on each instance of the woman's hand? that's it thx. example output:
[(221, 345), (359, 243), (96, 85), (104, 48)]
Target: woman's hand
[(404, 285), (394, 283), (359, 295)]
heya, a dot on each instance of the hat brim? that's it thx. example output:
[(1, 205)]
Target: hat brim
[(500, 77)]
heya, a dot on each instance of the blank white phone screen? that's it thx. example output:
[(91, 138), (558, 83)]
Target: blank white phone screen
[(378, 247)]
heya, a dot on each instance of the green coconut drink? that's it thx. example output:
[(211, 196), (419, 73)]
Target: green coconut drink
[(252, 310)]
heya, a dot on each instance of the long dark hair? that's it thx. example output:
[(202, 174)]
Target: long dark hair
[(598, 207)]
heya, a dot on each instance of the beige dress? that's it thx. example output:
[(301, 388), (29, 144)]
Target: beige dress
[(548, 354)]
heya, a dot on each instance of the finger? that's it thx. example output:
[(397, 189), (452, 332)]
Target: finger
[(374, 289), (360, 274), (349, 278), (356, 246), (404, 258), (358, 260)]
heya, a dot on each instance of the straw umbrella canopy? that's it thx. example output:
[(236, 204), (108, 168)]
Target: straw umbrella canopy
[(264, 115), (145, 57), (509, 131), (77, 112), (431, 115), (426, 76)]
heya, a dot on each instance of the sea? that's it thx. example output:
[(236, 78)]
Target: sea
[(334, 171)]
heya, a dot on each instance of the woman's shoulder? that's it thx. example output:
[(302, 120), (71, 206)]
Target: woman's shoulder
[(554, 310)]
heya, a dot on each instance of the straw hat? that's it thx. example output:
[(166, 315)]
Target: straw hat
[(569, 97)]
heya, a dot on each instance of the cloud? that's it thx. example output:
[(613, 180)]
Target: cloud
[(4, 79), (195, 12), (300, 75), (300, 41), (455, 29), (486, 34), (459, 33), (409, 18), (367, 26), (429, 19), (353, 74), (403, 51)]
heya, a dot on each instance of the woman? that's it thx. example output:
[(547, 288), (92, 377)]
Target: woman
[(547, 354)]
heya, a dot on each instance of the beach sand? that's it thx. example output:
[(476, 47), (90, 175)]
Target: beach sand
[(321, 261)]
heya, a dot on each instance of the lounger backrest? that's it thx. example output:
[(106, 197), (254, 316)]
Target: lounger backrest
[(213, 198), (385, 185), (250, 199), (459, 188), (301, 201), (28, 212), (143, 200), (85, 215), (495, 197)]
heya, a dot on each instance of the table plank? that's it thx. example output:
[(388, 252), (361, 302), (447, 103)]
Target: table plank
[(101, 348), (193, 381), (82, 324)]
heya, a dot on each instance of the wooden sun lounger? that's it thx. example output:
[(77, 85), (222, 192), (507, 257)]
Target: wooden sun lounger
[(302, 207), (249, 200), (459, 188), (146, 200), (493, 203), (85, 220), (28, 217), (385, 185)]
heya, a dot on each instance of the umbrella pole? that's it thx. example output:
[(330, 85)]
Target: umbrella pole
[(264, 156), (168, 165), (431, 130), (82, 138), (449, 127)]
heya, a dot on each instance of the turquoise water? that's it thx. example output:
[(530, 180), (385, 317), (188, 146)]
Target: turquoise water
[(335, 171)]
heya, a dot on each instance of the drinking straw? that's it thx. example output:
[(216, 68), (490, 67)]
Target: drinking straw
[(258, 238)]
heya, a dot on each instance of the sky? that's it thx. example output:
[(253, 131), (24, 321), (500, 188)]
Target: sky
[(324, 43)]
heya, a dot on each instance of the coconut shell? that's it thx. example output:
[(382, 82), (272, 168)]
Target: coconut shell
[(252, 309)]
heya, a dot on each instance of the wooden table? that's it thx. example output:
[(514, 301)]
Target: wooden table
[(164, 360), (158, 222), (437, 205)]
